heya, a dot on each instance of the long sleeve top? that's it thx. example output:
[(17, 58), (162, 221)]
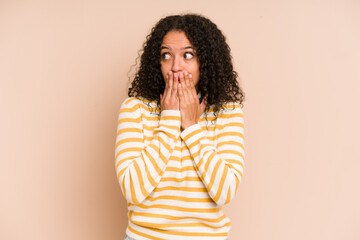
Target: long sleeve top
[(176, 181)]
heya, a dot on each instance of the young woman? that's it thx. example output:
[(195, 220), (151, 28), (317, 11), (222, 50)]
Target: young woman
[(180, 137)]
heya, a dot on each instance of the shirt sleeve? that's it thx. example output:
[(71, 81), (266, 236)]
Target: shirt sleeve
[(220, 165), (139, 168)]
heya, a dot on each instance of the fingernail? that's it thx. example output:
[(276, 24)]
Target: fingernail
[(186, 73), (175, 75), (181, 75), (190, 75)]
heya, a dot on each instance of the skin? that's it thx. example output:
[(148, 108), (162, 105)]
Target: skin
[(180, 69)]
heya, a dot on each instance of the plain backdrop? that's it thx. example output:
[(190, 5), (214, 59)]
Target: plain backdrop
[(64, 72)]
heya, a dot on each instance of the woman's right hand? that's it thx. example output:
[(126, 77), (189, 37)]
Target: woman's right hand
[(170, 100)]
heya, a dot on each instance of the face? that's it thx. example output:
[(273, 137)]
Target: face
[(178, 55)]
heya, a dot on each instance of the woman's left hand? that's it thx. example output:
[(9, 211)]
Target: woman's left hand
[(190, 106)]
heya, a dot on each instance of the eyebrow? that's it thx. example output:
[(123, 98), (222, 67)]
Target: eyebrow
[(188, 47)]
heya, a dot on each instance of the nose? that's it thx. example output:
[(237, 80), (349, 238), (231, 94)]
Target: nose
[(177, 65)]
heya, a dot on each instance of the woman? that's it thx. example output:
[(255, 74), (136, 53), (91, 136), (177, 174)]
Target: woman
[(180, 137)]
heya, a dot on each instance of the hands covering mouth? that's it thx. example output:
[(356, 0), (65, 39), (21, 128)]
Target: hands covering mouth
[(180, 94)]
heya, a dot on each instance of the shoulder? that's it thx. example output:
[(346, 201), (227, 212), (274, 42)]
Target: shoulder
[(133, 104), (232, 106), (130, 102), (231, 110)]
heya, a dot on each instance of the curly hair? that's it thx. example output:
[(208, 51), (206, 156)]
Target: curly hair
[(218, 80)]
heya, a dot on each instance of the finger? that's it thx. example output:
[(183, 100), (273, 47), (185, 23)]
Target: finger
[(166, 84), (174, 86), (170, 82), (192, 87), (191, 91), (180, 93), (191, 82), (184, 84), (167, 92), (182, 79), (186, 80)]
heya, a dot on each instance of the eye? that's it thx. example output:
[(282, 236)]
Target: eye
[(188, 55), (165, 56)]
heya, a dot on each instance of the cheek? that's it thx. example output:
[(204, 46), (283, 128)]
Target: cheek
[(163, 71), (192, 68), (196, 72), (165, 68)]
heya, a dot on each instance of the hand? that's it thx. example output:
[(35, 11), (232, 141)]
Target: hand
[(190, 107), (170, 100)]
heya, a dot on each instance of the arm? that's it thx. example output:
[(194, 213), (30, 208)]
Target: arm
[(220, 166), (139, 168)]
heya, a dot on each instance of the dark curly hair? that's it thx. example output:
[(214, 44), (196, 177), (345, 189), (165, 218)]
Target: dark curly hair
[(218, 80)]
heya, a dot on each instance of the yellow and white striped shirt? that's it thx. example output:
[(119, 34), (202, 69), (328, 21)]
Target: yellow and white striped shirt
[(176, 181)]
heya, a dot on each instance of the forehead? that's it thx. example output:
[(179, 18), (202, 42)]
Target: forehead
[(176, 39)]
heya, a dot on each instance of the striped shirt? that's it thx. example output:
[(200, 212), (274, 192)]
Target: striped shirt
[(176, 181)]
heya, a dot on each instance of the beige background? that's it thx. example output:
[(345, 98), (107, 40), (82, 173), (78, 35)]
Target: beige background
[(63, 73)]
